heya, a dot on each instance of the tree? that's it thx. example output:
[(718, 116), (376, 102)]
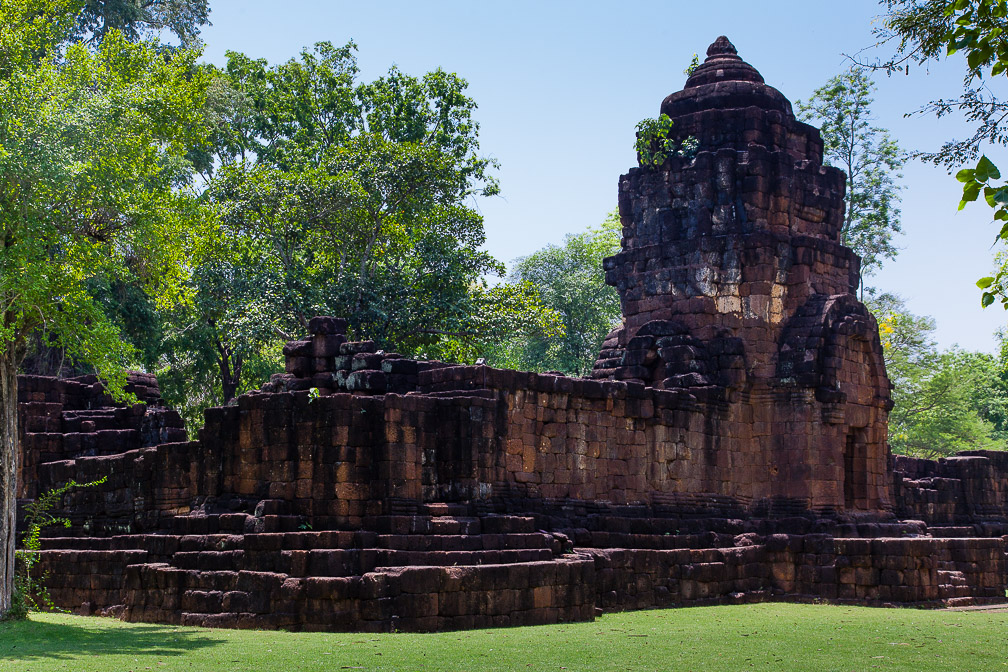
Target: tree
[(871, 159), (992, 400), (224, 340), (925, 30), (90, 145), (571, 282), (357, 196), (502, 315), (143, 19), (344, 198), (124, 299), (943, 401), (922, 30)]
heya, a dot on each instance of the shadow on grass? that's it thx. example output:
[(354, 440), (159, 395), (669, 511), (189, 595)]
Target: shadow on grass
[(39, 640)]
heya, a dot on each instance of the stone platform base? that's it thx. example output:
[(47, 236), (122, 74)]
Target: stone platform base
[(430, 572)]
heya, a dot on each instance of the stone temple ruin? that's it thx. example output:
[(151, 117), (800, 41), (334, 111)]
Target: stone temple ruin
[(729, 446)]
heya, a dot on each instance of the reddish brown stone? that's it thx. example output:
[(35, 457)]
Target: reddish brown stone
[(731, 446)]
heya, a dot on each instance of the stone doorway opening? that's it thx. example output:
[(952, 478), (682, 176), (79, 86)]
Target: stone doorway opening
[(855, 469)]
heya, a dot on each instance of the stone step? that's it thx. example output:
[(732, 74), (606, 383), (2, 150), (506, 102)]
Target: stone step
[(951, 578), (169, 544), (448, 542), (235, 523), (100, 419), (957, 531), (77, 577), (393, 598), (445, 509), (664, 541), (346, 562), (401, 524), (311, 540), (154, 544), (952, 584), (448, 524)]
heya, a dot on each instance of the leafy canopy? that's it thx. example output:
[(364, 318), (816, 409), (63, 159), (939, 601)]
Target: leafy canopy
[(922, 30), (358, 193), (339, 197), (869, 156), (144, 20), (92, 149), (571, 283), (944, 401), (90, 142)]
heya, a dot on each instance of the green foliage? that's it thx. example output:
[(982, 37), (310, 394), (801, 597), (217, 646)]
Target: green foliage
[(124, 300), (87, 140), (30, 590), (869, 156), (502, 315), (944, 401), (992, 400), (131, 308), (932, 29), (93, 144), (922, 30), (655, 145), (336, 197), (693, 65), (225, 338), (143, 19), (982, 180), (571, 283)]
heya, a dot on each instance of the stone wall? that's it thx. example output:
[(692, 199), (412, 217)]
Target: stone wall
[(299, 580), (64, 419), (730, 445), (865, 571), (403, 491), (968, 490), (468, 434)]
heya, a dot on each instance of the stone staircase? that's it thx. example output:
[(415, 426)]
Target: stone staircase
[(420, 572), (953, 588)]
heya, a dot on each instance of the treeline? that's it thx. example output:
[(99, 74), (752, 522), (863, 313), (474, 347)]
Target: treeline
[(945, 400), (242, 202), (264, 194), (332, 196)]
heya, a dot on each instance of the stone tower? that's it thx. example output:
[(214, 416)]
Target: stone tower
[(735, 287)]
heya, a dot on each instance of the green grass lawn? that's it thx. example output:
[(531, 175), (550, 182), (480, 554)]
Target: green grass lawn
[(749, 637)]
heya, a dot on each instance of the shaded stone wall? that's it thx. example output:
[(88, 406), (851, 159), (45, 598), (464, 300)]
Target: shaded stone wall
[(63, 419), (965, 490), (300, 581), (873, 571), (338, 458), (221, 531)]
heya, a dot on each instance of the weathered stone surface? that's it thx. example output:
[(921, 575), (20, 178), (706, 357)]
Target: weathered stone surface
[(734, 285), (729, 447)]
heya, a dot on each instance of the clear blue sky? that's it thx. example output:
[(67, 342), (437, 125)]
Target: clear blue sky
[(560, 86)]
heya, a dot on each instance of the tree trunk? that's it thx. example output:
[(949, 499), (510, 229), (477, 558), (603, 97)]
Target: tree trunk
[(229, 386), (8, 478), (230, 377)]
